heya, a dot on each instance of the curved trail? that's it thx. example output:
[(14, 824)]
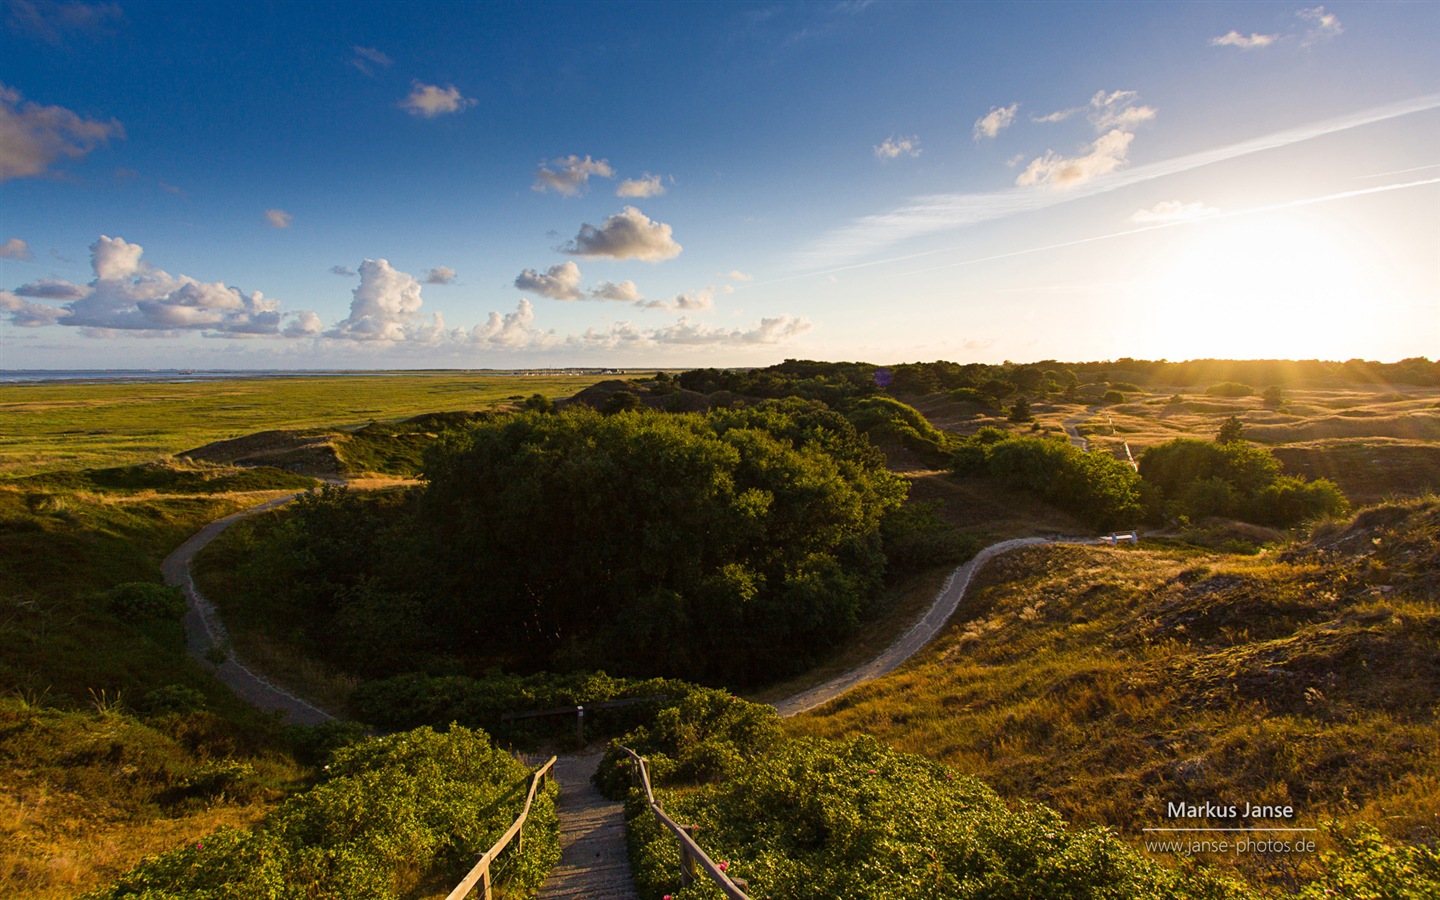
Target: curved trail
[(920, 634), (594, 863), (205, 633)]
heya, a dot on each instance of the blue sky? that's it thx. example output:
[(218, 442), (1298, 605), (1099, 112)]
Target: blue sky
[(458, 185)]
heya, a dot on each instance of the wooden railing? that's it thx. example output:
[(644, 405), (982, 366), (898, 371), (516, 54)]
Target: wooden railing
[(578, 711), (480, 874), (690, 853)]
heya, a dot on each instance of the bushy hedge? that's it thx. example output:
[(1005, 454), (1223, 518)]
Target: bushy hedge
[(391, 814), (1233, 479), (887, 417), (855, 819), (709, 735), (407, 701), (1094, 486)]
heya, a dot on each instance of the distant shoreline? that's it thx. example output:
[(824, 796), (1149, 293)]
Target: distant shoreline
[(43, 376)]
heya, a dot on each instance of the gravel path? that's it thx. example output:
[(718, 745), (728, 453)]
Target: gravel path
[(920, 634), (205, 634)]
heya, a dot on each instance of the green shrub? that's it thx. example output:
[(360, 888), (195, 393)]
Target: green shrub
[(1094, 485), (393, 813), (139, 601), (414, 699), (917, 538), (1233, 479), (1364, 867), (176, 699), (708, 736), (1113, 397), (888, 417), (855, 819), (1230, 389)]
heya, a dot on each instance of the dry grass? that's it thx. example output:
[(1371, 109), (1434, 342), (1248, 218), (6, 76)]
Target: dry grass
[(86, 795), (1108, 682)]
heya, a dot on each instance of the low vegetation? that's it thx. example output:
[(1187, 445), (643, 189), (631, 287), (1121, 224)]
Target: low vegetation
[(415, 699), (391, 817), (1107, 683), (1095, 487), (855, 819)]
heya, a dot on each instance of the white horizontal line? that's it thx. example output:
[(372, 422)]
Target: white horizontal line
[(1229, 829)]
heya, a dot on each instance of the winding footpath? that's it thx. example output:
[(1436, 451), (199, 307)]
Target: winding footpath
[(205, 635), (594, 864)]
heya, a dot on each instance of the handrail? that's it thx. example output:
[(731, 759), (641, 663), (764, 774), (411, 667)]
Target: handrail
[(690, 852), (480, 873)]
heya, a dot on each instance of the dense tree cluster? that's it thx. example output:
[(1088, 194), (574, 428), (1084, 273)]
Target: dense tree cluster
[(727, 546), (732, 546), (1233, 479)]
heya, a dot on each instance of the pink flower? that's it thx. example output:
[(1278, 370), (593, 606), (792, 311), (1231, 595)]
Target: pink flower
[(872, 771), (199, 845), (724, 866)]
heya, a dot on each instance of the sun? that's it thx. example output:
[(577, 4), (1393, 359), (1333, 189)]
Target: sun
[(1276, 286)]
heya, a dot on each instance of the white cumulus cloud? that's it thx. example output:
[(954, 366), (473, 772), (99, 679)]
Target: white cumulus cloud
[(737, 275), (46, 289), (385, 306), (15, 249), (646, 185), (128, 295), (625, 292), (628, 234), (893, 147), (32, 137), (1236, 39), (440, 275), (559, 282), (1172, 211), (278, 218), (995, 121), (430, 100), (27, 314), (1105, 155), (570, 175)]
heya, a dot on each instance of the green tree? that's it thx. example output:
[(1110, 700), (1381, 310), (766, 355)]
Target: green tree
[(1020, 411), (1232, 431), (731, 545)]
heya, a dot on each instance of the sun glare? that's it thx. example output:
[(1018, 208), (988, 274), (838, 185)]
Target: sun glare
[(1264, 287)]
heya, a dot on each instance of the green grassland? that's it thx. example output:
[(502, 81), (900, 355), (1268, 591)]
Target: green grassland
[(94, 425)]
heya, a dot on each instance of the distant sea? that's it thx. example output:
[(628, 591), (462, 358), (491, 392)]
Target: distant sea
[(34, 376), (20, 376)]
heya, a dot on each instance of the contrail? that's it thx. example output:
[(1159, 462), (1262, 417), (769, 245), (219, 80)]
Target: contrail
[(1199, 220), (939, 212)]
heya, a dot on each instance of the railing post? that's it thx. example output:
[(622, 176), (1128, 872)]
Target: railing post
[(485, 884), (687, 860), (580, 725)]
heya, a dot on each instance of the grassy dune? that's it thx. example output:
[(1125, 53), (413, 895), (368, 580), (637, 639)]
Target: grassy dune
[(1109, 682)]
